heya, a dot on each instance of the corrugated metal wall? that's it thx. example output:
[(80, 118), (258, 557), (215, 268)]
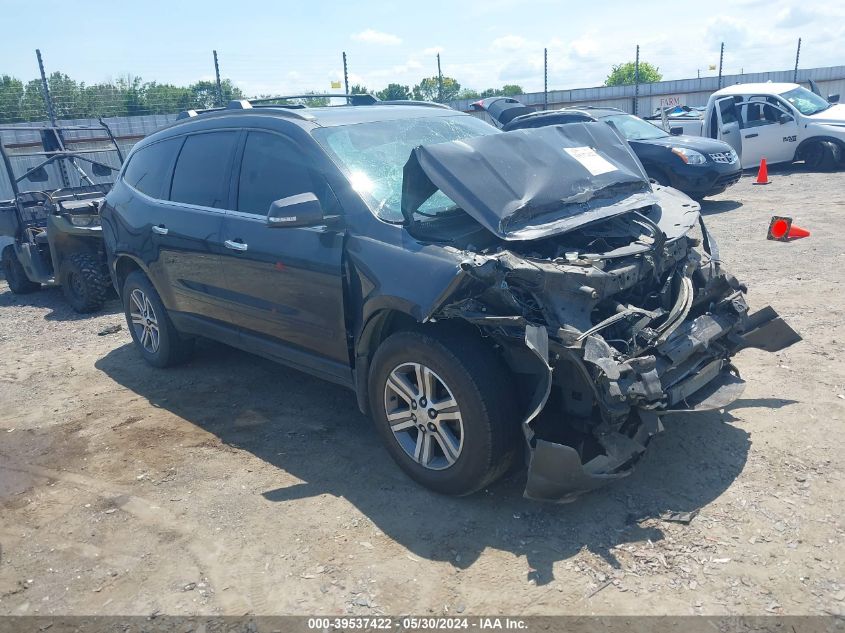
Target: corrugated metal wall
[(691, 92)]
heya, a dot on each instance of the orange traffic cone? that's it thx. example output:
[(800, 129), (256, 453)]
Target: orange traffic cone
[(762, 174), (782, 229)]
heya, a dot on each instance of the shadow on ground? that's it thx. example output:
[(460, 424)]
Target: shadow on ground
[(52, 299), (314, 431)]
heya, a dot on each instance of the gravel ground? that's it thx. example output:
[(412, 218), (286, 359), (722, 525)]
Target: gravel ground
[(232, 485)]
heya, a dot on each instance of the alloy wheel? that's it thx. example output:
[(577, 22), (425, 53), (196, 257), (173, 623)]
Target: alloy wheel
[(424, 416), (144, 321)]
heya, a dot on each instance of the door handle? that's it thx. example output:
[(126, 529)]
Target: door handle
[(726, 131), (235, 245), (751, 135), (160, 229)]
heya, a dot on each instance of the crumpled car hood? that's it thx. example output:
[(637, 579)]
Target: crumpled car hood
[(533, 183)]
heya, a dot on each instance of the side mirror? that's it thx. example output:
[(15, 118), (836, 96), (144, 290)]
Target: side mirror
[(676, 131), (295, 211), (833, 98), (39, 175), (785, 118)]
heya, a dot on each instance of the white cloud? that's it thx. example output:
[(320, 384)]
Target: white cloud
[(509, 43), (790, 17), (371, 36), (433, 50)]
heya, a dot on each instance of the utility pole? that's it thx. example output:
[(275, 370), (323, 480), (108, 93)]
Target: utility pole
[(217, 75), (439, 81), (637, 79), (545, 79), (797, 55), (721, 59), (51, 112), (345, 75)]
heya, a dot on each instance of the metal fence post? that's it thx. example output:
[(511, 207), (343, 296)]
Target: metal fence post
[(345, 75), (797, 55), (637, 79), (51, 112), (545, 79), (439, 81), (217, 75), (721, 59)]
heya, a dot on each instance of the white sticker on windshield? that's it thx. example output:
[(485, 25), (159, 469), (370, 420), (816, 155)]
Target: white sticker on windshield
[(589, 158)]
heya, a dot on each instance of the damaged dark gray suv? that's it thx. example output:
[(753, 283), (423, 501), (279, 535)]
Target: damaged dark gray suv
[(484, 293)]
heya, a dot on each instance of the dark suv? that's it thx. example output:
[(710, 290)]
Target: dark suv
[(473, 287)]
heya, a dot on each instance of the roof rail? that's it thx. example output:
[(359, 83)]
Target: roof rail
[(411, 102), (591, 107), (352, 99)]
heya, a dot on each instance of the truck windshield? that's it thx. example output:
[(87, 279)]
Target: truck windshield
[(374, 154), (805, 101), (634, 128)]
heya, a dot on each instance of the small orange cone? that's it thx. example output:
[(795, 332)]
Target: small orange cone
[(762, 174), (782, 229)]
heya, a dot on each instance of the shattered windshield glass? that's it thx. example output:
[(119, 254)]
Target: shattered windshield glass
[(374, 155), (807, 102)]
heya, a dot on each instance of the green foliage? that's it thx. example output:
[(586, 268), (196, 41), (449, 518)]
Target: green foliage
[(624, 74), (125, 96), (359, 89), (395, 92), (429, 90), (508, 90)]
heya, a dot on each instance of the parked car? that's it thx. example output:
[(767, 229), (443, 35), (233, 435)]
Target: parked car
[(55, 235), (698, 167), (781, 122), (484, 293)]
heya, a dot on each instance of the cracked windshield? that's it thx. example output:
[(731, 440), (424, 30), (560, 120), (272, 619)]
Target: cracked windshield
[(375, 154)]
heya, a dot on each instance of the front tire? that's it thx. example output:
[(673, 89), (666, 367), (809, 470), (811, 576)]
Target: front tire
[(154, 335), (819, 156), (85, 282), (445, 410), (15, 275)]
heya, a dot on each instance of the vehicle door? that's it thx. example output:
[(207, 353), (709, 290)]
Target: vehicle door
[(769, 132), (284, 284), (186, 226), (729, 123)]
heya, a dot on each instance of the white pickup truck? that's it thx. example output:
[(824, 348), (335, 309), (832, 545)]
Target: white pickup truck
[(780, 122)]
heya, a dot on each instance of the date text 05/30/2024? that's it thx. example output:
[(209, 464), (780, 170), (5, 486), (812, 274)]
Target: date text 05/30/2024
[(410, 623)]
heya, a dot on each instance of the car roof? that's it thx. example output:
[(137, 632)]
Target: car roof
[(759, 88), (597, 112), (327, 116)]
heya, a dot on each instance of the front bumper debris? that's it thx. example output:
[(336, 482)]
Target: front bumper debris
[(689, 372)]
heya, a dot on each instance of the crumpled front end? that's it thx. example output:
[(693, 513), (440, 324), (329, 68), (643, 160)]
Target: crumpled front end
[(609, 329)]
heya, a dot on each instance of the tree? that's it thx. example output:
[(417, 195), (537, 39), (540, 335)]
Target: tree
[(468, 93), (395, 92), (359, 89), (624, 75), (429, 89), (508, 90)]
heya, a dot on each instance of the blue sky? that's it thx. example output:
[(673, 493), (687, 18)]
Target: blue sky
[(284, 47)]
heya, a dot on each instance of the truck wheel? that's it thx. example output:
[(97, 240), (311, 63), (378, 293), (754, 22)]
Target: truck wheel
[(445, 409), (153, 332), (15, 275), (85, 282), (819, 156)]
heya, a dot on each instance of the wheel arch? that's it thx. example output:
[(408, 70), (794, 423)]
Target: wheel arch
[(381, 325), (122, 267), (838, 143)]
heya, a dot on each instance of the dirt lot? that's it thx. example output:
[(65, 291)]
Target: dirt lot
[(233, 485)]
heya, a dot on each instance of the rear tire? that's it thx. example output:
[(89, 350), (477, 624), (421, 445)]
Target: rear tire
[(85, 282), (471, 442), (819, 156), (155, 337), (15, 275)]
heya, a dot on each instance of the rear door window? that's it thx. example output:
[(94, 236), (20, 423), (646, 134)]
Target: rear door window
[(202, 171), (149, 167), (272, 168)]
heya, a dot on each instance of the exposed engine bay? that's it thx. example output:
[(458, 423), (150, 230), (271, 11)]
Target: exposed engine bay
[(619, 320)]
